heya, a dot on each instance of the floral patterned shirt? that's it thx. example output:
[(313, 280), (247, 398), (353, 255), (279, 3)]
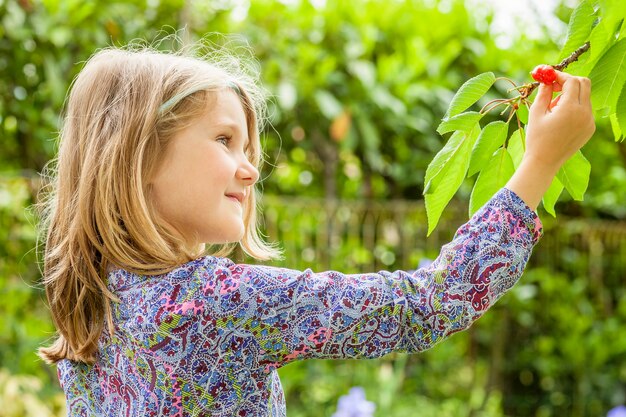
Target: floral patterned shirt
[(206, 338)]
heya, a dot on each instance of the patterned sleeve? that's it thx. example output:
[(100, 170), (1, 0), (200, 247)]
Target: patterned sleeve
[(300, 314)]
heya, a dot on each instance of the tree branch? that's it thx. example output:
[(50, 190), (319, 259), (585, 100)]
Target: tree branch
[(559, 67)]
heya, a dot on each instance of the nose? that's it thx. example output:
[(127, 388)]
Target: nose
[(247, 172)]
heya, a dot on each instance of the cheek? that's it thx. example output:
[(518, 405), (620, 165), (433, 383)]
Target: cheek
[(201, 173), (221, 170), (177, 191)]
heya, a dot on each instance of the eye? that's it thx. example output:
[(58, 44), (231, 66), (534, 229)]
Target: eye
[(224, 140)]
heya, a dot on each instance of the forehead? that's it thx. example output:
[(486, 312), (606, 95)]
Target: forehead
[(224, 107)]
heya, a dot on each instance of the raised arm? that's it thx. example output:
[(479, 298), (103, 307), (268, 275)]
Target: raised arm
[(287, 315)]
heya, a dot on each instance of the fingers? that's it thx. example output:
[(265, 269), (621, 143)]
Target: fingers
[(555, 102), (585, 90), (571, 87), (543, 99), (575, 89)]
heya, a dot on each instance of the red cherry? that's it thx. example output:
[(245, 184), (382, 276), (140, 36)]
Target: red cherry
[(537, 73), (549, 75), (544, 74)]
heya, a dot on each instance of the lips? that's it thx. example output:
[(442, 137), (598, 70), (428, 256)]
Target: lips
[(236, 196)]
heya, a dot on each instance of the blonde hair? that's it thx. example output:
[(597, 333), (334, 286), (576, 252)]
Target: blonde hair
[(122, 110)]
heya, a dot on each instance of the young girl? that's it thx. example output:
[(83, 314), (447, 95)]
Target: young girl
[(159, 155)]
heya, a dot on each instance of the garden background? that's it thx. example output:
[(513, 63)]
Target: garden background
[(358, 91)]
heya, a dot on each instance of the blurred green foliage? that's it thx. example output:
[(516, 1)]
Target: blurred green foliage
[(359, 88)]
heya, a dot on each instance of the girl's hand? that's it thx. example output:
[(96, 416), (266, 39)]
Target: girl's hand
[(559, 127), (556, 129)]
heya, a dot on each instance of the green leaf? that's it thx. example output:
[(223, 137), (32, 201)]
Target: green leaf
[(600, 41), (497, 172), (463, 121), (620, 112), (491, 138), (608, 77), (602, 38), (579, 28), (469, 93), (522, 113), (456, 143), (552, 195), (605, 33), (612, 12), (451, 177), (441, 159), (617, 130), (574, 175), (516, 147)]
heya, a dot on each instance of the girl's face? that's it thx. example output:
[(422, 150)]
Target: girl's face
[(205, 175)]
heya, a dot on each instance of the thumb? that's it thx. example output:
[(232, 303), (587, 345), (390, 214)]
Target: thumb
[(543, 99)]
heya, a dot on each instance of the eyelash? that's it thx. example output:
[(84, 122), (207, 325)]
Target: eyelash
[(226, 140)]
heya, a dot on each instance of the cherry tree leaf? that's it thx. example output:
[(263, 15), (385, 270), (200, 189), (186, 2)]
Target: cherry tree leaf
[(469, 93), (492, 178), (617, 130), (463, 121), (608, 77), (522, 113), (620, 115), (579, 28), (574, 175), (552, 195), (491, 138), (457, 143), (449, 178), (516, 147)]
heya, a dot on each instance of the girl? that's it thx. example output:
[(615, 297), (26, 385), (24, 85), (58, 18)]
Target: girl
[(159, 155)]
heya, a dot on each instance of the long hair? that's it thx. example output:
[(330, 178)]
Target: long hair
[(121, 112)]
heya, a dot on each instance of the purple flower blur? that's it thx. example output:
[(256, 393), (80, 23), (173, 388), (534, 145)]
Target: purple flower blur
[(619, 411), (354, 404), (424, 262)]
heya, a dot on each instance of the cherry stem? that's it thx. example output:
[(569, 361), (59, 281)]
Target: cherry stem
[(493, 104), (511, 114), (515, 87), (519, 89), (526, 90)]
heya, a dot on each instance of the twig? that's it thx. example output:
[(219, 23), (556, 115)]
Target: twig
[(527, 90), (573, 57)]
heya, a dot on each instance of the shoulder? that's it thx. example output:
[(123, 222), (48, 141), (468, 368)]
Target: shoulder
[(120, 279)]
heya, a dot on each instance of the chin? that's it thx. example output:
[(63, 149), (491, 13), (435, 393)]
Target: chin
[(232, 233), (234, 237)]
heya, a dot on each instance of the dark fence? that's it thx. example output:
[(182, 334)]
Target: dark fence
[(359, 235)]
